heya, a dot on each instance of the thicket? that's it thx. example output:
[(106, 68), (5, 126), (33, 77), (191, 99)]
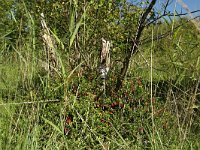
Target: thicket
[(54, 100)]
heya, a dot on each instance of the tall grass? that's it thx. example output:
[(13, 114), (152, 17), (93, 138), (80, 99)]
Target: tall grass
[(160, 95)]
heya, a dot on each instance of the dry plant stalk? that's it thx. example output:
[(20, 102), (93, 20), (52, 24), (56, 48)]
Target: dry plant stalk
[(51, 65), (104, 62), (194, 21)]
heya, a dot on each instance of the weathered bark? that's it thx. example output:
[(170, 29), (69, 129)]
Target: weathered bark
[(134, 46), (104, 62)]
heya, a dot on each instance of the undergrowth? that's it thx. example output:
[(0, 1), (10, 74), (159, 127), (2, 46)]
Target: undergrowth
[(157, 106)]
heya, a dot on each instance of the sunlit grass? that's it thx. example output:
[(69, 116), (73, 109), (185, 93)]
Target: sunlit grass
[(35, 106)]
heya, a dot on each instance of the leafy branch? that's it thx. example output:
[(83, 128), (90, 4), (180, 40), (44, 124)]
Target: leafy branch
[(134, 46)]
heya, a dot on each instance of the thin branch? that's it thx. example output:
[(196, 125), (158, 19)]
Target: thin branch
[(165, 7), (147, 40), (183, 14), (171, 14), (195, 22)]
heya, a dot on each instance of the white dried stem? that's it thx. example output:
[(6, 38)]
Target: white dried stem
[(105, 62), (49, 47)]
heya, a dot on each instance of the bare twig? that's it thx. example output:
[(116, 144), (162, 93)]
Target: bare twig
[(170, 14), (195, 22), (161, 36)]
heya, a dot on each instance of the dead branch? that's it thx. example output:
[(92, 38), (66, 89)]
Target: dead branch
[(104, 62)]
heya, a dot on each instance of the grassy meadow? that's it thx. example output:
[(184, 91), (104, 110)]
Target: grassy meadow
[(156, 108)]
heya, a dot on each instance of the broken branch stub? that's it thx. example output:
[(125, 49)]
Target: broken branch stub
[(105, 58), (104, 63)]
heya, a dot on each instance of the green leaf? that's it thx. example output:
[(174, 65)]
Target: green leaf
[(53, 125), (76, 29), (177, 63), (176, 32)]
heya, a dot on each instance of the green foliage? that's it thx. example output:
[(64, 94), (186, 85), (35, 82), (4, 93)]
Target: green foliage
[(162, 114)]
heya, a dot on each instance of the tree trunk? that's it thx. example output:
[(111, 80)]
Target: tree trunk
[(134, 46)]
